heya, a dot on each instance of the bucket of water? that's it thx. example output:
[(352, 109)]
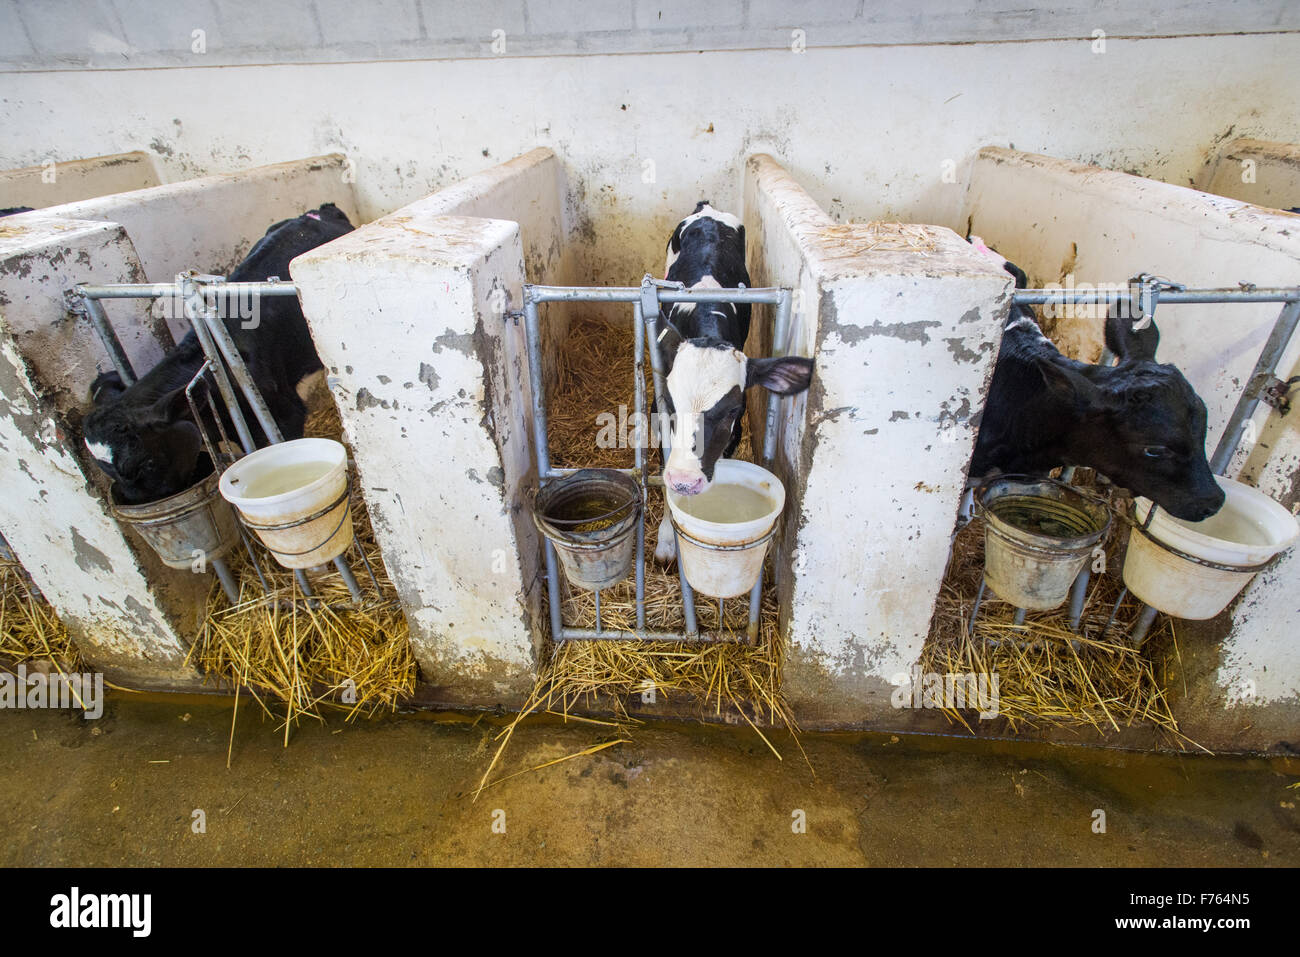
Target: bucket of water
[(723, 533), (1194, 570), (591, 518), (1038, 535), (295, 497)]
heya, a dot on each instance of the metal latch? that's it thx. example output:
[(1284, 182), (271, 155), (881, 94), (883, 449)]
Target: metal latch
[(1274, 391), (1148, 294)]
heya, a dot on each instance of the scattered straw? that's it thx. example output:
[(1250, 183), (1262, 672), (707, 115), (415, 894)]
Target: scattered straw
[(29, 628), (1047, 674), (278, 647), (595, 376)]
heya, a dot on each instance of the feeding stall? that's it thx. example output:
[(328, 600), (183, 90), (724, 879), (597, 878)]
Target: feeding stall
[(129, 612), (67, 181), (1234, 341)]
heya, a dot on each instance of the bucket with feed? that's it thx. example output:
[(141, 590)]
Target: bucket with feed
[(591, 517), (1194, 570), (1038, 535), (184, 526), (723, 533), (295, 497)]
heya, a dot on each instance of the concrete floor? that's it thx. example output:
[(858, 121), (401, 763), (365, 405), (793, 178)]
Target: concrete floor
[(124, 789)]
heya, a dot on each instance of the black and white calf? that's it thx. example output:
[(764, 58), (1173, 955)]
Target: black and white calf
[(145, 437), (1139, 422), (703, 345)]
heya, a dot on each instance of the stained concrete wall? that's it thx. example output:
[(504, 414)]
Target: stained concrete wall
[(644, 135), (905, 342), (53, 182), (1054, 217), (127, 613), (1256, 171), (435, 401)]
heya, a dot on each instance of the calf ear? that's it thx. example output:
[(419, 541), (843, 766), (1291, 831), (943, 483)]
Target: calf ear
[(172, 407), (1127, 344), (1067, 384), (107, 385), (784, 375)]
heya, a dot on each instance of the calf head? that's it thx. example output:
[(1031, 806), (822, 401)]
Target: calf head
[(1143, 425), (706, 385), (150, 452)]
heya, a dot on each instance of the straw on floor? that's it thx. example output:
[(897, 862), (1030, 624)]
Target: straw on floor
[(310, 655), (1047, 674), (30, 630), (595, 377)]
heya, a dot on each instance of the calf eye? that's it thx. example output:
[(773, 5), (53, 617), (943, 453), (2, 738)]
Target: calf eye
[(1155, 451)]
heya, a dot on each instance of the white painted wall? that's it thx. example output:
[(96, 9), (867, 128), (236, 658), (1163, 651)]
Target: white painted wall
[(904, 342), (53, 183), (869, 131), (127, 613), (1256, 171)]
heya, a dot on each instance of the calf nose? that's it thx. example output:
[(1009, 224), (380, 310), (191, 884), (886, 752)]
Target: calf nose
[(684, 483)]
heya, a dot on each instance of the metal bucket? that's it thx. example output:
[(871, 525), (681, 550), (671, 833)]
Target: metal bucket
[(1038, 535), (194, 521), (591, 518)]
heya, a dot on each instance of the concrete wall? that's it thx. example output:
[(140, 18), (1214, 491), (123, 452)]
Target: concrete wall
[(52, 182), (122, 35), (435, 400), (1053, 217), (126, 612), (904, 341), (1256, 171), (872, 132)]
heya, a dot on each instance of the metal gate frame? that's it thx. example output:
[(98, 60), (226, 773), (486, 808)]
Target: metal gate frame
[(645, 301), (1144, 292), (222, 361)]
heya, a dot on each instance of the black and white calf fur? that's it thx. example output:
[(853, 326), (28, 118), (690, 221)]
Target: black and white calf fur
[(703, 345)]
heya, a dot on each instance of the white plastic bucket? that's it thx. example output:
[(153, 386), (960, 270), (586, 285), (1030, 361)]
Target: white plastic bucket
[(295, 497), (733, 564), (1249, 530)]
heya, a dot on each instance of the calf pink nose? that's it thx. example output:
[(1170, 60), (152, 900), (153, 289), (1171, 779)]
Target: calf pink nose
[(684, 483)]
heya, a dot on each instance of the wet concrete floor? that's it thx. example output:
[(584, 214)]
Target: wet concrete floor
[(125, 789)]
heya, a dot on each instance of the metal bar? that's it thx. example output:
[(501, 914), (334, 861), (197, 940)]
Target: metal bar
[(366, 561), (1143, 624), (642, 436), (157, 290), (1078, 592), (1019, 618), (558, 472), (227, 579), (755, 607), (665, 445), (221, 335), (542, 449), (348, 579), (1278, 340), (194, 312), (597, 594), (780, 343), (633, 294), (979, 598), (99, 319), (1040, 297), (590, 634), (305, 587)]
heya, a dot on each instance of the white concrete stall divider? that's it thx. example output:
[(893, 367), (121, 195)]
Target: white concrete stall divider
[(411, 317), (1070, 224), (130, 614), (875, 456), (124, 611), (1256, 171), (56, 182)]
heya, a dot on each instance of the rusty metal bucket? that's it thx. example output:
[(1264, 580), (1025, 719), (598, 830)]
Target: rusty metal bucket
[(591, 518), (1038, 535), (188, 525)]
